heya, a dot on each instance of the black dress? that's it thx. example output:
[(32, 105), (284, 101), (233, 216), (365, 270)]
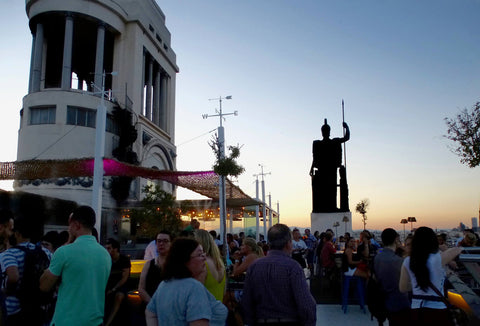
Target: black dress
[(153, 279)]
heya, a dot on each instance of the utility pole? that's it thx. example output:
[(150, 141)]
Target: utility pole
[(278, 211), (99, 153), (257, 210), (264, 211), (269, 210), (221, 146)]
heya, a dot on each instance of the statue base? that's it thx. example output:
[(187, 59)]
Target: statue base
[(323, 221)]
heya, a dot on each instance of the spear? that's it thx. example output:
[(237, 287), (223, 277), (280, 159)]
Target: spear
[(344, 143)]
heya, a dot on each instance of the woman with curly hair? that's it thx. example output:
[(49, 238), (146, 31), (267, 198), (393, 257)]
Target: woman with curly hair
[(421, 273)]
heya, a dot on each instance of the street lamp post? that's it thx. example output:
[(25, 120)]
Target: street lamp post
[(411, 219), (346, 220), (335, 225), (404, 221)]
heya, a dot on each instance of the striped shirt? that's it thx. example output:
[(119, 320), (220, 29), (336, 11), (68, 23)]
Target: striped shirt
[(15, 257)]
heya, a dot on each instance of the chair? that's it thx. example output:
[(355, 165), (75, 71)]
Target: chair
[(360, 291)]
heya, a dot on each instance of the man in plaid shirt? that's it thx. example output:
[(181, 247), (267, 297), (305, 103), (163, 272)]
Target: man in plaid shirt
[(276, 291)]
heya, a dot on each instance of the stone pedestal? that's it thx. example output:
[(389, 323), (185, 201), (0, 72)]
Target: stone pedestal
[(322, 221)]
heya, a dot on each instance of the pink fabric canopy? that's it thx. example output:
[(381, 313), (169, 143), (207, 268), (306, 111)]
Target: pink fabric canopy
[(202, 182)]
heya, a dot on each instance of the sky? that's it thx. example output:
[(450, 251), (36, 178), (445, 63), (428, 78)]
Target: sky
[(400, 66)]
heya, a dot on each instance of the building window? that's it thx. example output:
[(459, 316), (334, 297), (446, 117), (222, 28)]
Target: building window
[(112, 125), (81, 117), (42, 115)]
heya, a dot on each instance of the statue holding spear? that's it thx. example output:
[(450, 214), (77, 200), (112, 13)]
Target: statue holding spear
[(327, 159)]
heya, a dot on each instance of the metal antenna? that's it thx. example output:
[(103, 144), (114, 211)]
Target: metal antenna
[(220, 112), (264, 211)]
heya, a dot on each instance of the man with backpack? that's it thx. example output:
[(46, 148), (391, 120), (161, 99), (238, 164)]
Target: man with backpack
[(22, 266), (387, 266)]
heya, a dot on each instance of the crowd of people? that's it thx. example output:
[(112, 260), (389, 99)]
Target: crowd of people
[(190, 279), (411, 276), (274, 274)]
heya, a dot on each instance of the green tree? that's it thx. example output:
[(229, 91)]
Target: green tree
[(361, 208), (464, 130), (159, 212), (228, 165), (224, 167)]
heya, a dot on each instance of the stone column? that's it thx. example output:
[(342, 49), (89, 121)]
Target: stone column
[(32, 56), (37, 59), (99, 56), (148, 102), (142, 96), (80, 83), (67, 53), (163, 103), (156, 99)]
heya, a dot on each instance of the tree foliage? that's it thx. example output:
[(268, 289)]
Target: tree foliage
[(123, 152), (159, 212), (228, 165), (464, 130), (361, 208)]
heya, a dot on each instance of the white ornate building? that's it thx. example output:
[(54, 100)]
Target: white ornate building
[(73, 43)]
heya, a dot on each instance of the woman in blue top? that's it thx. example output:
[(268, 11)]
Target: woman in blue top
[(181, 299)]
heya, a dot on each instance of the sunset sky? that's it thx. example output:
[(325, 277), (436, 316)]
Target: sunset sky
[(400, 66)]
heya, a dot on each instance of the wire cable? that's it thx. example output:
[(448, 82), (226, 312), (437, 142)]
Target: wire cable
[(46, 149), (185, 142)]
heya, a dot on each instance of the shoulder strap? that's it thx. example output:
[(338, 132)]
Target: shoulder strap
[(440, 294), (427, 297)]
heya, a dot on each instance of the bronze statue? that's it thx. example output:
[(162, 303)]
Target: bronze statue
[(327, 159)]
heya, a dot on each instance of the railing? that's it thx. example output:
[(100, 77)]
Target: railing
[(471, 275)]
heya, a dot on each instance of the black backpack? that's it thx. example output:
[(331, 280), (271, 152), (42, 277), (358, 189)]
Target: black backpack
[(34, 303), (376, 300)]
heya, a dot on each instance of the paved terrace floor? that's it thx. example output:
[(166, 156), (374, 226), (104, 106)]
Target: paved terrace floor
[(332, 314), (327, 293)]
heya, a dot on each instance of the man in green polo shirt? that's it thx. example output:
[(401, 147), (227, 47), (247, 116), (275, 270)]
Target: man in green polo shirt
[(84, 267)]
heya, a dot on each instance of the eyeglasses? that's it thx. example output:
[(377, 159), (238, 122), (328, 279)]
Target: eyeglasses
[(202, 255), (163, 241)]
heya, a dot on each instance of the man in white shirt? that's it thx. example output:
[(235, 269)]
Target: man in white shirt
[(299, 248)]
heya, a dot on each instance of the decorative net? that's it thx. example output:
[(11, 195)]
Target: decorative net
[(202, 182)]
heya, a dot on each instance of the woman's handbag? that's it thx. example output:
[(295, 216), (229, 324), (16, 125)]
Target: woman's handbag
[(458, 317)]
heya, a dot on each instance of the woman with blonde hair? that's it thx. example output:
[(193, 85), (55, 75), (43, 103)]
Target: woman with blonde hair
[(215, 275), (248, 253)]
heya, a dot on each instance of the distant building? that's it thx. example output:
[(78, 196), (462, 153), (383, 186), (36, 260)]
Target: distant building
[(73, 44), (462, 227), (474, 224)]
